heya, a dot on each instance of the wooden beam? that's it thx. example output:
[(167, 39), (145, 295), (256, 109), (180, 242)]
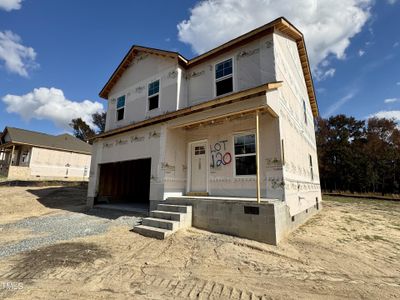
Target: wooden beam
[(224, 116), (258, 156)]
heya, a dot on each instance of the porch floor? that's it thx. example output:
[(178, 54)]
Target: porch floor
[(230, 199)]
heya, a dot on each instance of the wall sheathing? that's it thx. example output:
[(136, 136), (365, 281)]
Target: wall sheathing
[(297, 136)]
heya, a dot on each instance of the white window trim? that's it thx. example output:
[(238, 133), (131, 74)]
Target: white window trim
[(148, 97), (215, 80), (117, 109), (242, 133)]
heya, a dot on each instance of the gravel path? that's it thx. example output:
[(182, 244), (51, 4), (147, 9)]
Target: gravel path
[(58, 227)]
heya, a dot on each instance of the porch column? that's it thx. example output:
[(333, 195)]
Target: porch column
[(12, 154), (258, 155)]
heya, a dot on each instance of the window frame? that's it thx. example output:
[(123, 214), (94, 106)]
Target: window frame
[(244, 133), (148, 110), (305, 112), (224, 77), (311, 165), (119, 108)]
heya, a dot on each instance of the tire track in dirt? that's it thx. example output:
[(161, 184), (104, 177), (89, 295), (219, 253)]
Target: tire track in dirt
[(199, 289)]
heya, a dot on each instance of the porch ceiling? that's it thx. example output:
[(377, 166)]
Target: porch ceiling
[(6, 146), (226, 117)]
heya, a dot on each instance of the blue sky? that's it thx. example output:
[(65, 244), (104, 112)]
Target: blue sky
[(74, 46)]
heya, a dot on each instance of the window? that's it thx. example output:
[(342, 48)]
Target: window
[(120, 108), (154, 93), (311, 167), (245, 154), (305, 112), (25, 156), (199, 150), (223, 77)]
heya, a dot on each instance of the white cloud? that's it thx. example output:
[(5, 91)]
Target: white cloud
[(361, 52), (387, 114), (324, 74), (391, 100), (398, 83), (396, 44), (8, 5), (17, 57), (335, 106), (327, 25), (51, 104), (392, 1)]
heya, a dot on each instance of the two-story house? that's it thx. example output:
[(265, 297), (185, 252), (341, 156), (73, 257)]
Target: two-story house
[(234, 125)]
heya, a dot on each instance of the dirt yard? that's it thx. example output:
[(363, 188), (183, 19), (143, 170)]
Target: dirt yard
[(50, 248)]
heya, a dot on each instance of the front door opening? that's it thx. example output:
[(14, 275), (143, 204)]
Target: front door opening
[(198, 170)]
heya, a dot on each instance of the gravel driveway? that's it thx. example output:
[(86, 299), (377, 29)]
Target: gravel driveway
[(50, 229)]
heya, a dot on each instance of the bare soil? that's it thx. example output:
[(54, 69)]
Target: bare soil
[(350, 250)]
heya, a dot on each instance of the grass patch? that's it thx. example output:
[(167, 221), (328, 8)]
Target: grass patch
[(381, 204)]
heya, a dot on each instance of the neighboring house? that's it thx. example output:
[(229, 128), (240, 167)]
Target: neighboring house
[(236, 121), (29, 155)]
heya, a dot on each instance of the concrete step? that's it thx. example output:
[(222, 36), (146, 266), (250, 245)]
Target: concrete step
[(174, 208), (167, 215), (158, 233), (161, 223)]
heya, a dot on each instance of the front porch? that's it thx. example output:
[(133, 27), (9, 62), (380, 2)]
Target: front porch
[(14, 161), (233, 155)]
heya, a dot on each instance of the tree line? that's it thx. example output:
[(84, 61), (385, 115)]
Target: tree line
[(359, 155)]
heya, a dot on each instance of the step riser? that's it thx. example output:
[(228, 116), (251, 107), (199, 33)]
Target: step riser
[(172, 208), (160, 224), (165, 220), (166, 216), (150, 233)]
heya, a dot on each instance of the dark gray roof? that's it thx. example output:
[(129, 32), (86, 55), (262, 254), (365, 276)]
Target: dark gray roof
[(62, 142)]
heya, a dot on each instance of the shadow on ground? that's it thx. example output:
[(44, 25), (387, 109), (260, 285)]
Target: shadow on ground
[(74, 199)]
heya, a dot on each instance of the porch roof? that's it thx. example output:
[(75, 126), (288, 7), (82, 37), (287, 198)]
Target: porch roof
[(224, 100)]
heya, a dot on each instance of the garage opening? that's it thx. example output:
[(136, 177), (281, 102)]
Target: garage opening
[(125, 183)]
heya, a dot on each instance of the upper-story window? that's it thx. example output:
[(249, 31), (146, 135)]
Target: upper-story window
[(224, 77), (154, 94), (120, 108), (305, 111)]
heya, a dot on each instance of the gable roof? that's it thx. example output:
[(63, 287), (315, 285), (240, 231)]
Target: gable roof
[(279, 24), (64, 142), (127, 60)]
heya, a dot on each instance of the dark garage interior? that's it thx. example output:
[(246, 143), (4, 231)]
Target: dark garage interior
[(125, 182)]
